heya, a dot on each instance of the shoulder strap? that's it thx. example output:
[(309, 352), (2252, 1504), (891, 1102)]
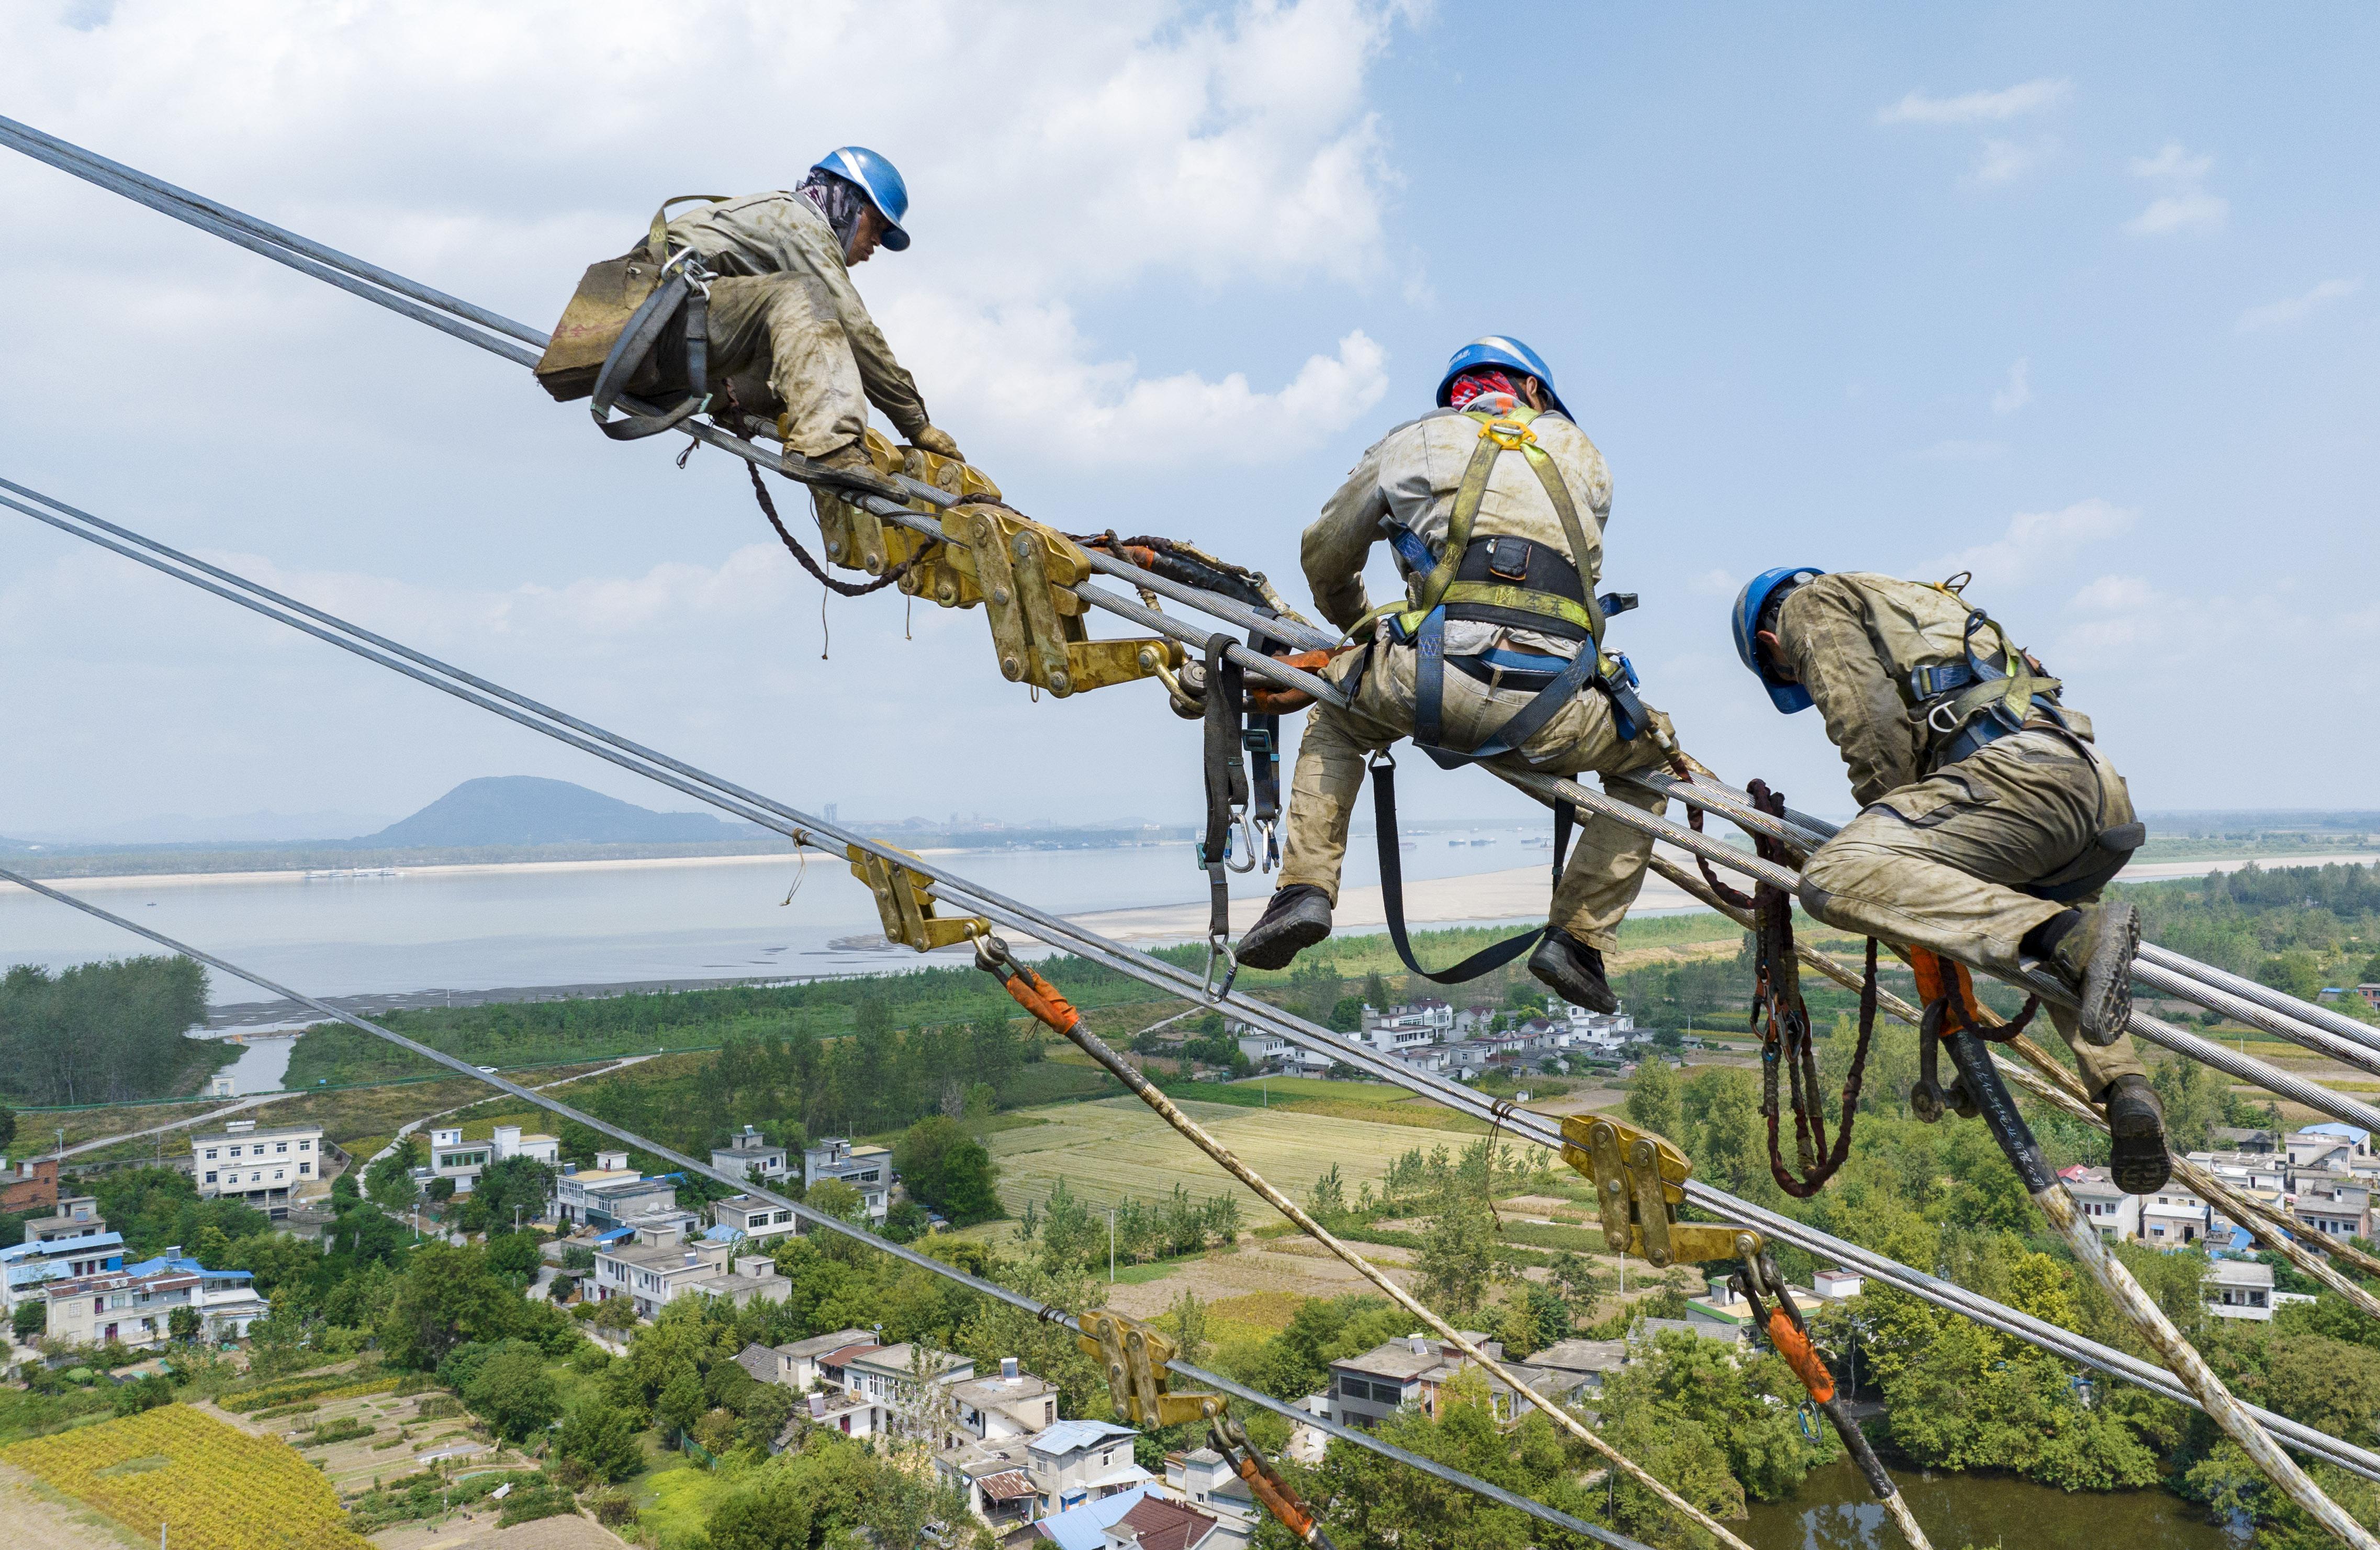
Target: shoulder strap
[(657, 239)]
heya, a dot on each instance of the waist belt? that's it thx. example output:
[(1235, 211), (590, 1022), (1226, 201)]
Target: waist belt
[(1942, 692)]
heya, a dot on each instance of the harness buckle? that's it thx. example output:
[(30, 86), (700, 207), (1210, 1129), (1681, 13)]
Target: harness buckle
[(1512, 435)]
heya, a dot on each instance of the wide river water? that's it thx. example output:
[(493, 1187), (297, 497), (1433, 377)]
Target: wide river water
[(480, 928)]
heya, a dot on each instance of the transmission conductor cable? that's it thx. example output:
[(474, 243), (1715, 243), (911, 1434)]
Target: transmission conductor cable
[(837, 1225), (740, 803)]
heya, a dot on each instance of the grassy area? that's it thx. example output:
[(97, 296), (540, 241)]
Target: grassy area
[(1108, 1150)]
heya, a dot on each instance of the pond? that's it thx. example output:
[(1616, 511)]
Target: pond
[(1834, 1511)]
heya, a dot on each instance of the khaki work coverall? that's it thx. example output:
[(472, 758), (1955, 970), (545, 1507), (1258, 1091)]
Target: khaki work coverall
[(1935, 860), (787, 327), (1412, 474)]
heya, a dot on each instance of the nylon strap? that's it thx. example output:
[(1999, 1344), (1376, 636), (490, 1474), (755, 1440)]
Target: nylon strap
[(1392, 887), (1227, 777)]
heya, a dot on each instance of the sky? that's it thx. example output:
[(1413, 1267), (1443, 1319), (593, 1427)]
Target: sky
[(2076, 300)]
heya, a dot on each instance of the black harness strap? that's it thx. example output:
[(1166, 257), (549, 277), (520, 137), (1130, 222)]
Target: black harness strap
[(1227, 780), (1392, 884), (681, 296)]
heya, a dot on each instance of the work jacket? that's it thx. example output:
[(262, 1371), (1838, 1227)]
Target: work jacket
[(782, 232), (1410, 476), (1852, 638)]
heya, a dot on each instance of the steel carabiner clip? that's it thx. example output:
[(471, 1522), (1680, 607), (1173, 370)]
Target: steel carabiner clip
[(1247, 843), (1218, 947)]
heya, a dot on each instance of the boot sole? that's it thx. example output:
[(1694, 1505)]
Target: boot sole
[(1274, 949), (2105, 1007), (2139, 1160), (1584, 993)]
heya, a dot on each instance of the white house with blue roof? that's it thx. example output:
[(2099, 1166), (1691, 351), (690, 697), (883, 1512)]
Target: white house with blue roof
[(1078, 1461), (25, 1269)]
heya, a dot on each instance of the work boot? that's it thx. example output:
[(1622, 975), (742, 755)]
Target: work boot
[(2093, 956), (1572, 971), (1298, 916), (850, 458), (2137, 1153)]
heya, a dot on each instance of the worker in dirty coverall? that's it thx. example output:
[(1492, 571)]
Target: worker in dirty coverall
[(1406, 489), (787, 330), (1984, 833)]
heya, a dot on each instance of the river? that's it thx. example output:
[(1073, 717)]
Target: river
[(1834, 1511), (480, 929)]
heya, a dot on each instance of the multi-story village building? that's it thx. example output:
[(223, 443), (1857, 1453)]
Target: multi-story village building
[(86, 1247), (748, 1155), (2333, 1202), (451, 1157), (609, 1194), (1366, 1389), (654, 1267), (134, 1305), (2327, 1148), (28, 1184), (752, 1219), (867, 1169), (2173, 1217), (2114, 1213), (795, 1363), (263, 1168), (2238, 1289)]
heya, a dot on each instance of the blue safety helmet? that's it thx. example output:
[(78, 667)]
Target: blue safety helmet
[(879, 179), (1499, 349), (1745, 618)]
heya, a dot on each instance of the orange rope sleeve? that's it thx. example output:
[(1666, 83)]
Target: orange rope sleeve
[(1799, 1354)]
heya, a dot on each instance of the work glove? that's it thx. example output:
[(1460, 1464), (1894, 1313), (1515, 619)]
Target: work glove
[(935, 439)]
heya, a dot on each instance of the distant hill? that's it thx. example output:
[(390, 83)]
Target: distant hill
[(525, 810)]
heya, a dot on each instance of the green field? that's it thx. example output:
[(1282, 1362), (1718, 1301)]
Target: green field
[(1115, 1147)]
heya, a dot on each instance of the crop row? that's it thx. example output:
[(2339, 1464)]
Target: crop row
[(210, 1486)]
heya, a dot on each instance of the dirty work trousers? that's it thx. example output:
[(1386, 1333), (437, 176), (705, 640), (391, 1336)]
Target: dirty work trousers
[(1607, 862), (778, 340), (1938, 864)]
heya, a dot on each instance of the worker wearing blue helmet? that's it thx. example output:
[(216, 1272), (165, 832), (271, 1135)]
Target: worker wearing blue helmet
[(1494, 507), (1989, 820), (787, 334)]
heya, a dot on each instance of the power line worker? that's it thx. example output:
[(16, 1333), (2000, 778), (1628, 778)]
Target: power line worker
[(1494, 508), (1989, 821), (786, 330)]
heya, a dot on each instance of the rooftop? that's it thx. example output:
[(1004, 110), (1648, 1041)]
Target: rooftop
[(823, 1345), (2239, 1273), (1070, 1436)]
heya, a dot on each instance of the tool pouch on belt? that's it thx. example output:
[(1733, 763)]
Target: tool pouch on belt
[(608, 295)]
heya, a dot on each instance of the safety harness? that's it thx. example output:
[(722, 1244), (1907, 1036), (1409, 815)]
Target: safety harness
[(681, 292), (1505, 579), (1970, 703)]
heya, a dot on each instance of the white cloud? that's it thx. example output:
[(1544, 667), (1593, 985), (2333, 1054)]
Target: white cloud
[(2003, 161), (2185, 205), (1977, 107), (2173, 165), (2034, 539), (2017, 393), (1715, 584), (1026, 371), (2295, 308)]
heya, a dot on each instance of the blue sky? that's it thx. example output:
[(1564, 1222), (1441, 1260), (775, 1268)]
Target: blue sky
[(2076, 300)]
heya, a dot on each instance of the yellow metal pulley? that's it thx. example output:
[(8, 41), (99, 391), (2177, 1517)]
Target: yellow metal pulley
[(1640, 1182)]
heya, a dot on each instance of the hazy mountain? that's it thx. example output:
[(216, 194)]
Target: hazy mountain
[(526, 810)]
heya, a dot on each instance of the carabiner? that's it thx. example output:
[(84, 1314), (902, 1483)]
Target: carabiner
[(1270, 830), (1218, 947), (1249, 843)]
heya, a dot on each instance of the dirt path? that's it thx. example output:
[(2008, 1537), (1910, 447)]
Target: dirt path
[(38, 1517), (479, 1531)]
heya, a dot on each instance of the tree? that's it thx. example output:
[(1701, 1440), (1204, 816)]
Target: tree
[(1376, 991), (1653, 1098), (1329, 1196), (772, 1515), (389, 1181), (516, 1256), (7, 1127), (182, 1324), (1189, 1317), (680, 1404), (438, 1191), (601, 1438), (1455, 1262), (837, 1199), (31, 1317), (948, 1170), (447, 1297), (1347, 1014), (513, 1395)]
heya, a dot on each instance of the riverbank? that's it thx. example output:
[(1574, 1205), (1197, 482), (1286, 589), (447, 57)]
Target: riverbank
[(1834, 1511)]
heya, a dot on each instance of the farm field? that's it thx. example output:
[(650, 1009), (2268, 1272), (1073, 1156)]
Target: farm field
[(1115, 1147), (219, 1487), (400, 1442)]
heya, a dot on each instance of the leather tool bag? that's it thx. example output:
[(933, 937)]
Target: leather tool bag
[(608, 295)]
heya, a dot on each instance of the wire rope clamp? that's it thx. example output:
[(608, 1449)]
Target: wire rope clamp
[(856, 538), (1134, 1356), (1640, 1182), (905, 906), (1026, 574)]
